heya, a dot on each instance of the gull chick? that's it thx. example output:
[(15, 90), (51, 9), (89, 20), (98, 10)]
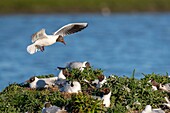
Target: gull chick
[(76, 65), (40, 39)]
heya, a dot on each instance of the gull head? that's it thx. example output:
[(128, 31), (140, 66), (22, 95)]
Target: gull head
[(105, 91), (32, 79), (101, 78), (163, 87), (47, 105), (87, 65), (69, 83), (60, 39)]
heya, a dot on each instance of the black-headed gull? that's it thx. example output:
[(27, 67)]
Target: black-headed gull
[(168, 102), (76, 65), (40, 39), (72, 87), (35, 82), (62, 74), (155, 85), (148, 109), (48, 108), (104, 96), (165, 87), (101, 79)]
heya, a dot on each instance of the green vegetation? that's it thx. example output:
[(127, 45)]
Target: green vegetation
[(76, 6), (128, 94)]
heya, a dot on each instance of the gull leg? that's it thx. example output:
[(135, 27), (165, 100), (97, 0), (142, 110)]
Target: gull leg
[(42, 48)]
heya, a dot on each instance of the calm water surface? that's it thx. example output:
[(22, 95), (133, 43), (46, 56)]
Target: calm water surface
[(117, 44)]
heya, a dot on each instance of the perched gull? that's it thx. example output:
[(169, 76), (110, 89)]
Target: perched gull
[(148, 109), (106, 97), (155, 85), (168, 102), (48, 108), (35, 82), (72, 87), (101, 79), (40, 39), (76, 65), (62, 74), (106, 94), (165, 87)]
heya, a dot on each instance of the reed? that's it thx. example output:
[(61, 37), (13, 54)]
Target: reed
[(80, 6)]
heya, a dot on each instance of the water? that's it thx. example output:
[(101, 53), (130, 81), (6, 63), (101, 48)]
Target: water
[(118, 44)]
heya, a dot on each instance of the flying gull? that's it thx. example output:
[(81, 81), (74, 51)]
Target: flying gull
[(40, 39)]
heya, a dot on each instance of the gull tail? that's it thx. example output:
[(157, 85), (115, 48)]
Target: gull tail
[(31, 49)]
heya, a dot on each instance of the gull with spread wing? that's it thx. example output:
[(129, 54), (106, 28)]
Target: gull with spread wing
[(40, 39)]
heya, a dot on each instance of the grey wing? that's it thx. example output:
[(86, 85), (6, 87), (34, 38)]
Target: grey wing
[(53, 109), (50, 80), (70, 29), (74, 65), (158, 111), (167, 86), (41, 83), (39, 35)]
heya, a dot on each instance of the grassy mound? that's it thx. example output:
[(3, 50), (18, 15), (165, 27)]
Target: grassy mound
[(128, 94)]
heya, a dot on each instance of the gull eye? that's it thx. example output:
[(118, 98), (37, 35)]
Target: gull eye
[(95, 84), (72, 85)]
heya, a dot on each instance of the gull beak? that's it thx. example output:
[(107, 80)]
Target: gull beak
[(102, 90), (60, 39), (149, 81), (27, 81), (63, 42)]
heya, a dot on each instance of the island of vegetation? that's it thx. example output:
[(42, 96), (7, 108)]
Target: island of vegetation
[(128, 95)]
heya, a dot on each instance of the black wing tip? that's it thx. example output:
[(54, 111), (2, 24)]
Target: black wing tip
[(84, 26), (61, 68)]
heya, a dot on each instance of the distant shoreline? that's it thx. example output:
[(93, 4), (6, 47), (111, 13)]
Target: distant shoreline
[(75, 6)]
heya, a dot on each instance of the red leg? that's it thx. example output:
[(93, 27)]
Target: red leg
[(42, 48)]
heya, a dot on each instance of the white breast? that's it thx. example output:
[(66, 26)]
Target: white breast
[(106, 99), (46, 41), (61, 76), (75, 89)]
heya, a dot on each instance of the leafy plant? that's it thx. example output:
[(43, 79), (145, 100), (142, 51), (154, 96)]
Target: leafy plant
[(128, 94)]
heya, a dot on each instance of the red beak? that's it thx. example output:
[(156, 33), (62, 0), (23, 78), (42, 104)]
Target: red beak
[(28, 81), (63, 42)]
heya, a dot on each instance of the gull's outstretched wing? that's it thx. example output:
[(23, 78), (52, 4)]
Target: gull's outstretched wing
[(39, 35), (70, 29)]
